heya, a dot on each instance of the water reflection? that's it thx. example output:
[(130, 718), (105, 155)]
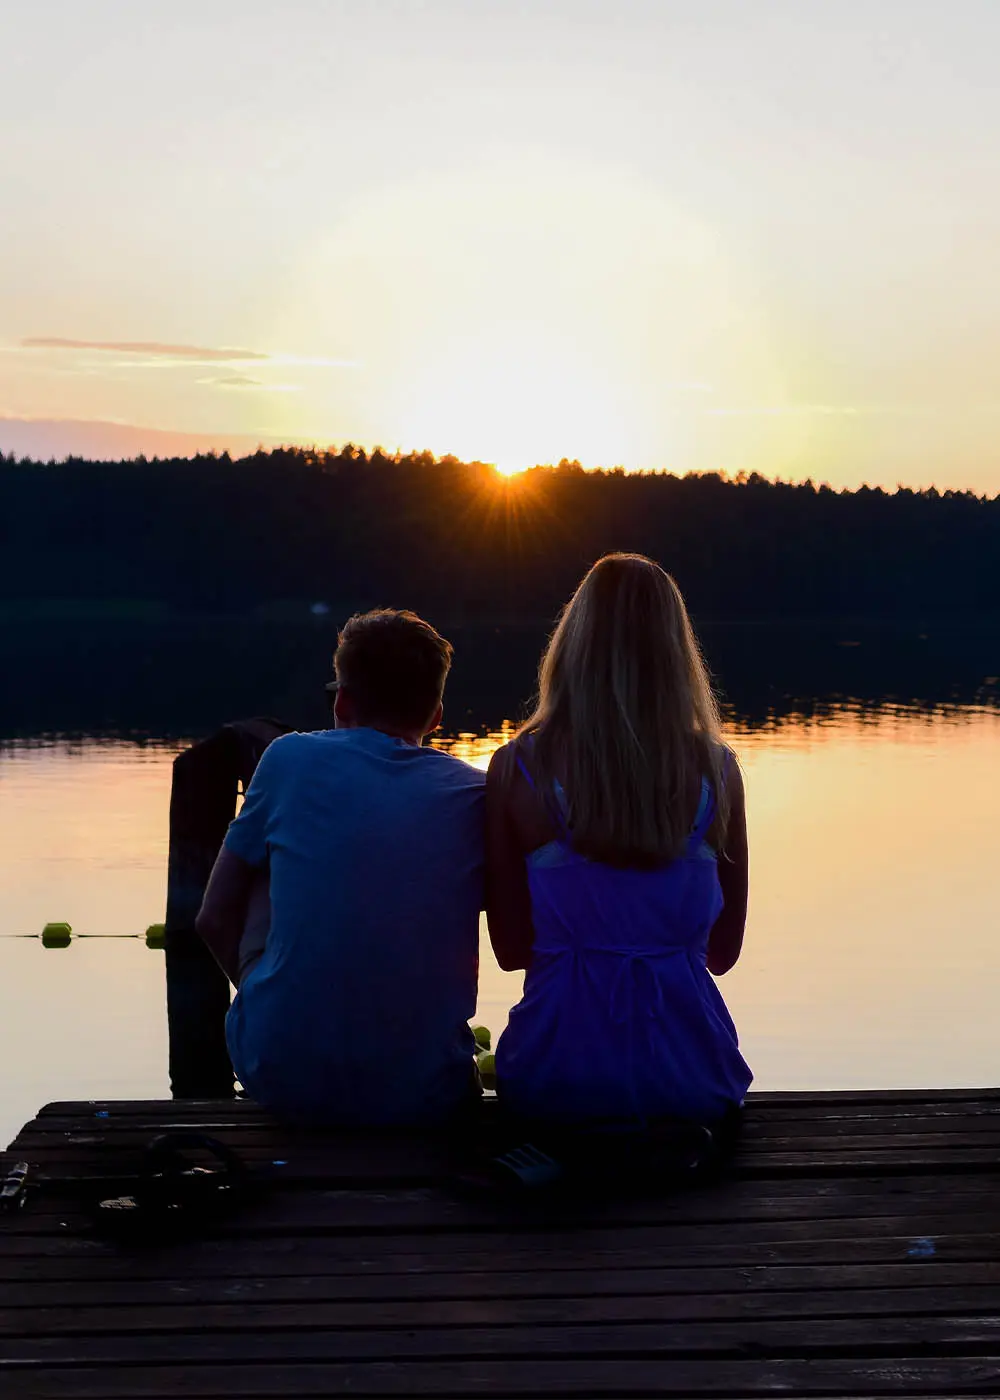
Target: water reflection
[(181, 679)]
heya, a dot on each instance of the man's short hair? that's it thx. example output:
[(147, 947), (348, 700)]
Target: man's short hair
[(394, 664)]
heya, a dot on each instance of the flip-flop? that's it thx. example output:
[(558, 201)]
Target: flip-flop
[(524, 1170)]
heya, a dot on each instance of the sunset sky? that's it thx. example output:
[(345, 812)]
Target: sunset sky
[(693, 234)]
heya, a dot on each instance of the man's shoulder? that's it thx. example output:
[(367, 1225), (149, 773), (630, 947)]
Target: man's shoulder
[(296, 742), (450, 770), (436, 766), (292, 750)]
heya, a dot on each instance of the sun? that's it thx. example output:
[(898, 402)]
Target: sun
[(513, 400)]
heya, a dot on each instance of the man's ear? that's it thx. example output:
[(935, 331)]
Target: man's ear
[(344, 710), (435, 720)]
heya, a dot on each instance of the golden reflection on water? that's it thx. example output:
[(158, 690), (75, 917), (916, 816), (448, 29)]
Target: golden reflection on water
[(871, 956), (476, 749)]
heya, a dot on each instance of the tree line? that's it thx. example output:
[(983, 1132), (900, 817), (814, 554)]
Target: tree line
[(211, 534)]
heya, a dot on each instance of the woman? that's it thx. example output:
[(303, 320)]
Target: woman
[(617, 868)]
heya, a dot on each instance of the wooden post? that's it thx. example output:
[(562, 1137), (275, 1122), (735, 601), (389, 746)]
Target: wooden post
[(206, 780)]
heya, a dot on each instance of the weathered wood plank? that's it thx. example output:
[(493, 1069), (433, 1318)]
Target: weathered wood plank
[(801, 1100), (605, 1283), (757, 1124), (524, 1380), (853, 1338), (338, 1211), (69, 1143), (174, 1306), (886, 1239), (758, 1120)]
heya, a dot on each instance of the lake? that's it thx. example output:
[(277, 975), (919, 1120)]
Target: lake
[(870, 755)]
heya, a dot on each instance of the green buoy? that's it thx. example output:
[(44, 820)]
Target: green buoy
[(156, 936), (487, 1066), (57, 935), (485, 1062)]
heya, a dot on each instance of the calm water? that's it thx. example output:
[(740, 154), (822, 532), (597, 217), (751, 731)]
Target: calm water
[(871, 956)]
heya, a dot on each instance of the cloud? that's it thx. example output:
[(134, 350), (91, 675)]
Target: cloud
[(103, 440), (158, 355), (315, 362), (142, 347), (243, 382), (786, 410)]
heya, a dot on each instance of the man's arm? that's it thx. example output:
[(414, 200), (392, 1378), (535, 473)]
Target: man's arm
[(223, 911), (241, 862)]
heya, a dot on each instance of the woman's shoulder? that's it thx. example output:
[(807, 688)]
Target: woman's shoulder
[(718, 758), (722, 772), (729, 764), (507, 760), (512, 788)]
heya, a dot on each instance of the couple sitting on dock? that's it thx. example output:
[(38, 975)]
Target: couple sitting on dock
[(607, 844)]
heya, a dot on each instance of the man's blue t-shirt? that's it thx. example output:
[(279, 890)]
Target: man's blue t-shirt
[(358, 1008)]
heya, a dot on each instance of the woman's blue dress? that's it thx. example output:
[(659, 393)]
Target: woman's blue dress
[(620, 1017)]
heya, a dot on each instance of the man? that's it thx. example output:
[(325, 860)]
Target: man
[(357, 1009)]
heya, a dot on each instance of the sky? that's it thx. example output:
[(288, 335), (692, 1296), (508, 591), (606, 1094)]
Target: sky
[(688, 234)]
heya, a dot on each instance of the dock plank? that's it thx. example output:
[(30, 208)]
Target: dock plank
[(153, 1308), (618, 1378), (800, 1338)]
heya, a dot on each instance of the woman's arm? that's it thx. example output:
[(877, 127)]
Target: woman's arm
[(726, 938), (508, 900)]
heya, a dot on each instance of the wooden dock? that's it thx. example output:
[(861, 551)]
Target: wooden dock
[(852, 1250)]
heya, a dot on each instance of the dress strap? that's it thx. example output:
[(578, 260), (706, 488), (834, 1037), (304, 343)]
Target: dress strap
[(524, 771), (555, 805), (553, 802)]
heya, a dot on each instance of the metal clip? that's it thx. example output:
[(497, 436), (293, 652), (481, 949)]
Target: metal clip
[(13, 1191)]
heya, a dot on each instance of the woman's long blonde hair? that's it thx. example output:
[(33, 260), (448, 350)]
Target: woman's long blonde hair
[(626, 719)]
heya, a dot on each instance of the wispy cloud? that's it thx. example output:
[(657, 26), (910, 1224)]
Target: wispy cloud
[(105, 439), (314, 362), (143, 347), (244, 382), (158, 354), (785, 410)]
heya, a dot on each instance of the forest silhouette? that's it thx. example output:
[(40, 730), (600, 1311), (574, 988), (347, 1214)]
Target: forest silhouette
[(213, 535)]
